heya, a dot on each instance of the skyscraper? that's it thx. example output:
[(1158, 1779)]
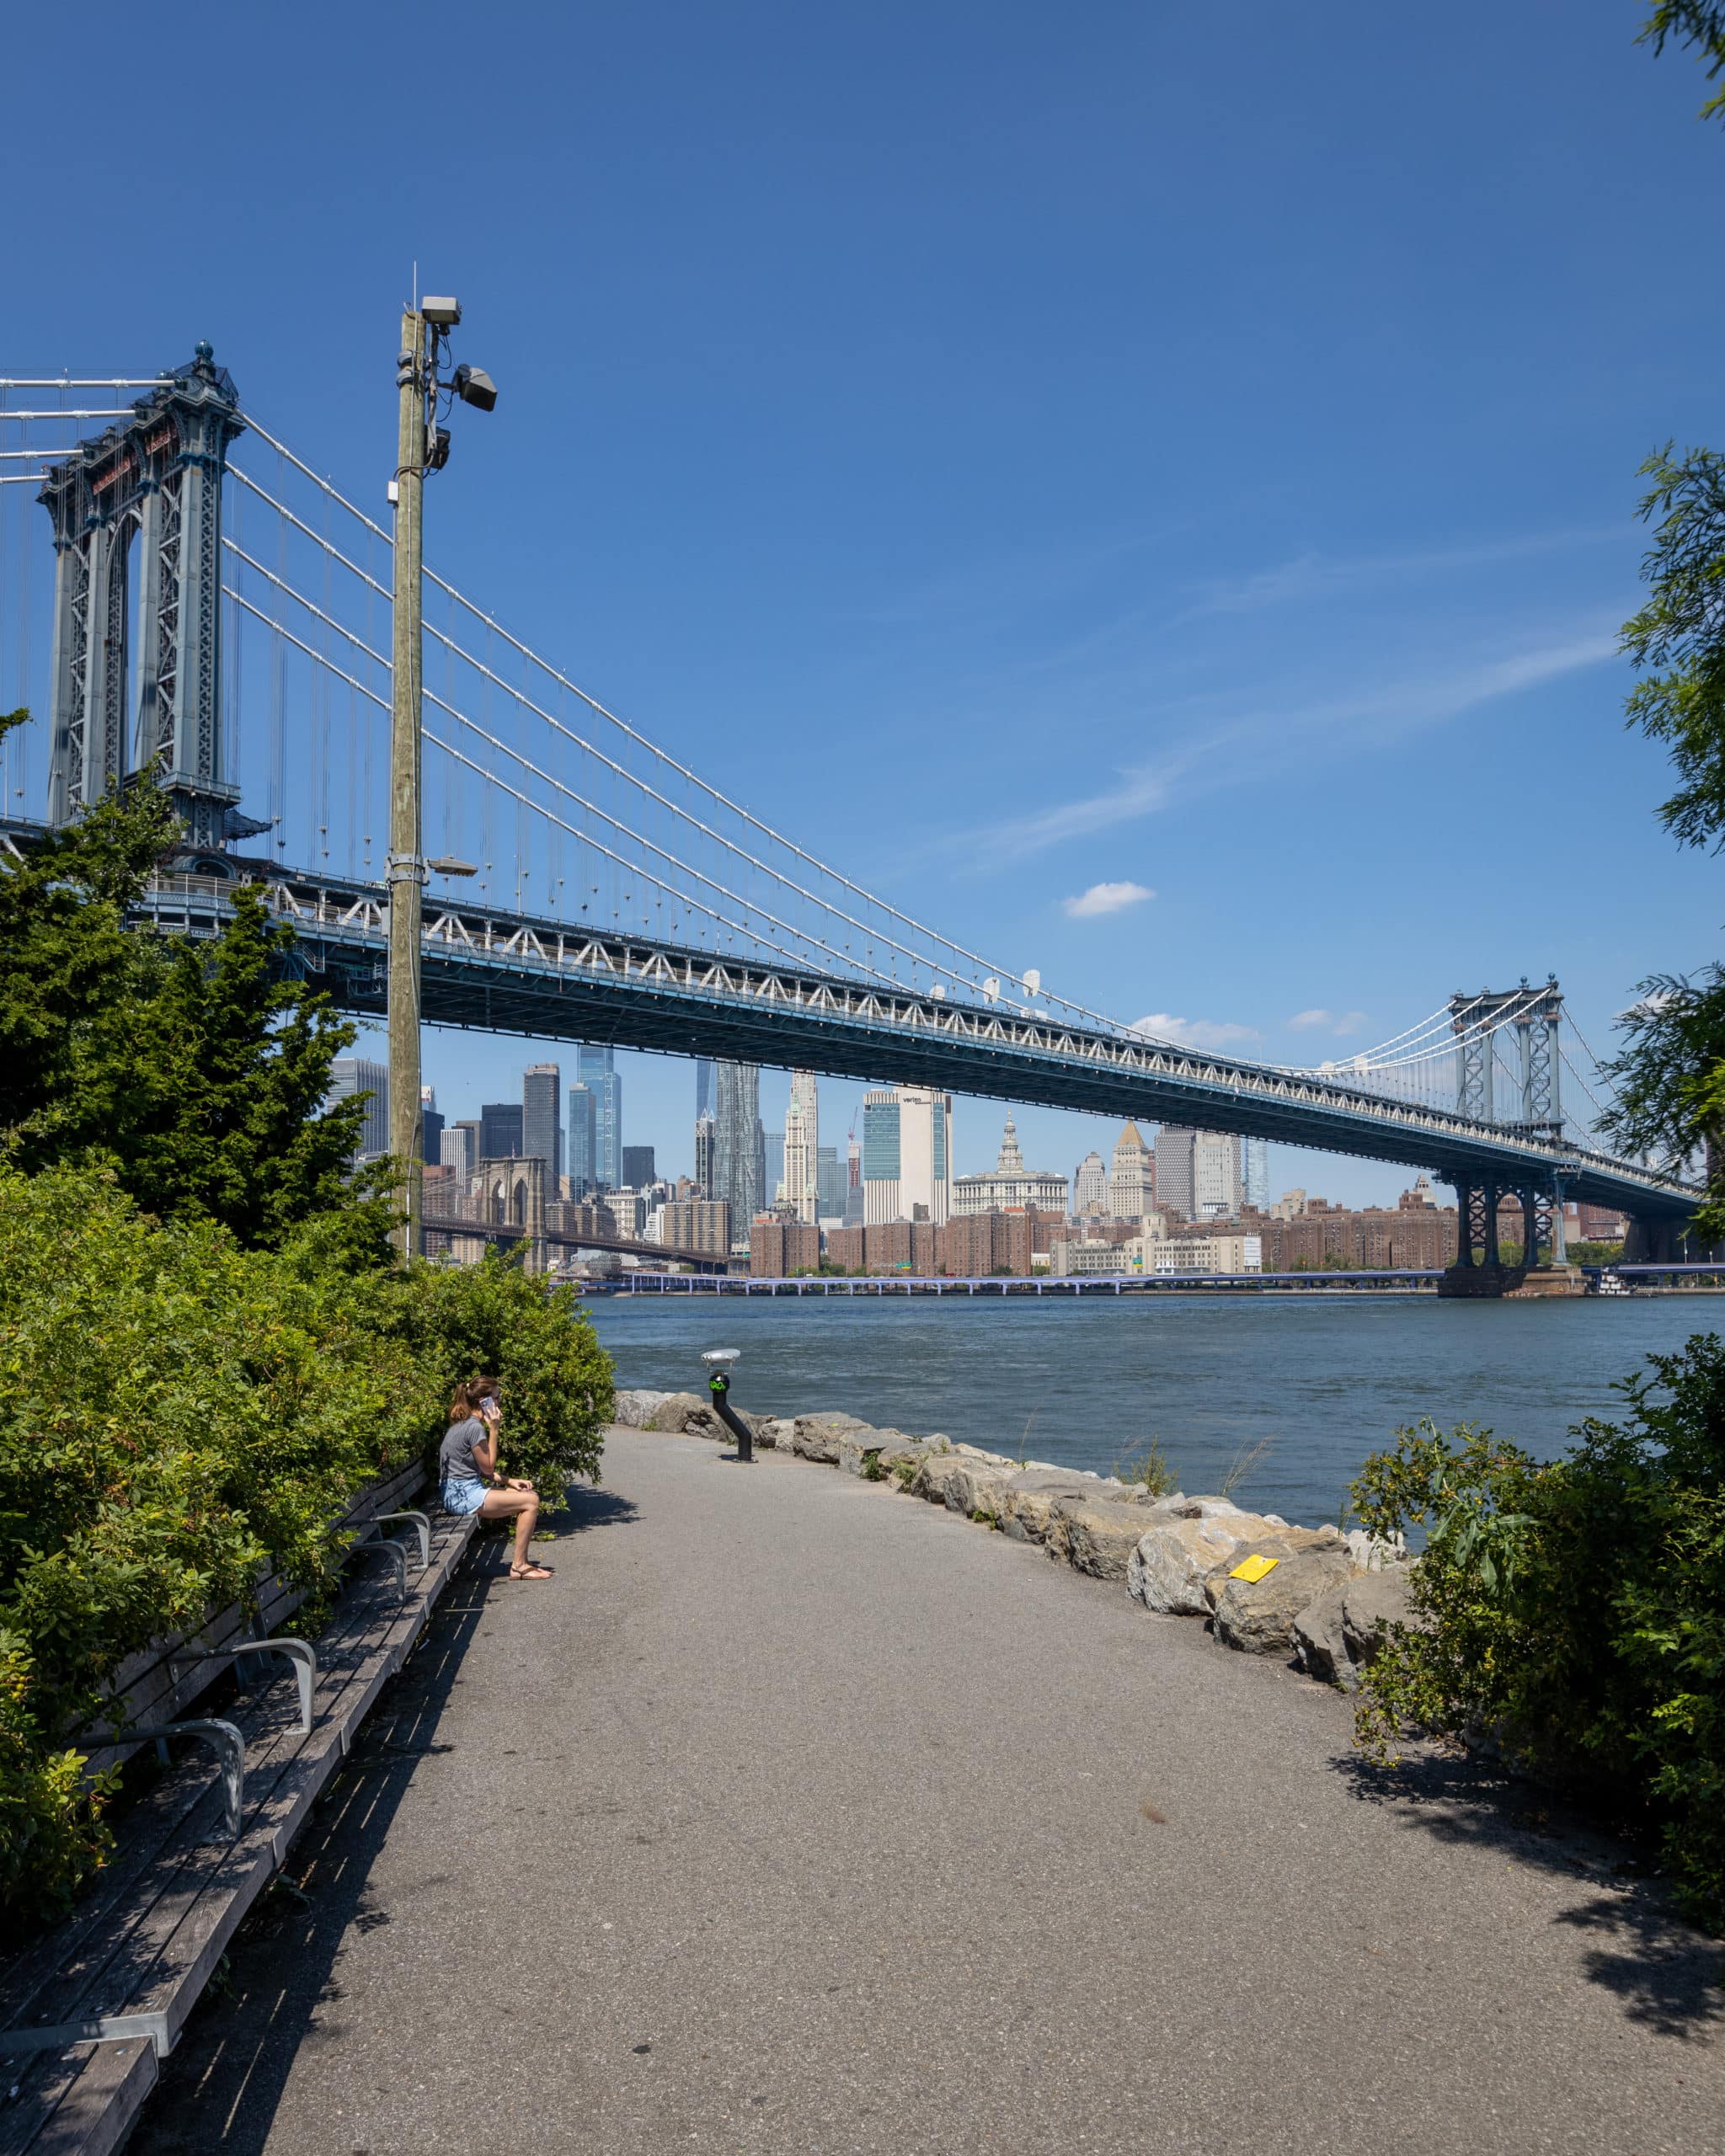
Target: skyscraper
[(501, 1130), (1174, 1170), (704, 1128), (907, 1154), (1215, 1175), (829, 1184), (739, 1143), (637, 1166), (1255, 1172), (584, 1174), (706, 1087), (1132, 1185), (596, 1068), (772, 1166), (458, 1147), (853, 1181), (1090, 1185), (354, 1074), (542, 1132), (803, 1146), (430, 1127)]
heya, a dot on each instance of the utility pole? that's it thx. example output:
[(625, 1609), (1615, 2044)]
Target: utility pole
[(406, 866)]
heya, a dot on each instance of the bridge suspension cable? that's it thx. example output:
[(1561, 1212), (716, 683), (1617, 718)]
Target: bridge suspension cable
[(885, 934)]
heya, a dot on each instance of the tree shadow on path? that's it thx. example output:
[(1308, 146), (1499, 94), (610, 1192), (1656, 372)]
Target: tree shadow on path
[(1670, 1976)]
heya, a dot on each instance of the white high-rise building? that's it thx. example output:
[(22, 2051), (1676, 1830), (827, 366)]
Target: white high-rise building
[(1132, 1186), (907, 1154), (1215, 1175), (1090, 1185), (803, 1146)]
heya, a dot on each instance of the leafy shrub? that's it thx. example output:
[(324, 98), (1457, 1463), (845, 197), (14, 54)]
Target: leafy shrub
[(175, 1412), (495, 1318), (1576, 1611)]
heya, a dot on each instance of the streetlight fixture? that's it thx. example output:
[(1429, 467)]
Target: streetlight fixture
[(422, 445)]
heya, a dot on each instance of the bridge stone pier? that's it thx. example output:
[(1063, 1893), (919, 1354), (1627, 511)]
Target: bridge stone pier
[(1658, 1241)]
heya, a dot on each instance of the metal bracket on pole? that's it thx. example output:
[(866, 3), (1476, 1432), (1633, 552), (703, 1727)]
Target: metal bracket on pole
[(224, 1740), (298, 1652)]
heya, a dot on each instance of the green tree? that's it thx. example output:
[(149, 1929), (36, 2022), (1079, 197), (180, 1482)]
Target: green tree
[(195, 1070), (1694, 23)]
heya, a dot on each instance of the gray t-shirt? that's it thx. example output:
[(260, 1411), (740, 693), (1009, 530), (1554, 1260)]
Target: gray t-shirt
[(454, 1455)]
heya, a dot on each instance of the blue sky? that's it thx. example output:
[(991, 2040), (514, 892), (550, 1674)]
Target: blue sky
[(1017, 448)]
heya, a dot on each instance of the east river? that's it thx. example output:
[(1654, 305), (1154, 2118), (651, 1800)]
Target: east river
[(1328, 1379)]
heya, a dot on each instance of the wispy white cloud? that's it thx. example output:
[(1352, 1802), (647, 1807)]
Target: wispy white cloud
[(1105, 898), (1193, 1032), (1255, 742), (1350, 1021), (1305, 578)]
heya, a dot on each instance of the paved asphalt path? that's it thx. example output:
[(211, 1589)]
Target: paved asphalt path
[(798, 1816)]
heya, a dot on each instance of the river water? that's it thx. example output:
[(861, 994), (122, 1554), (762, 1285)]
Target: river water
[(1327, 1380)]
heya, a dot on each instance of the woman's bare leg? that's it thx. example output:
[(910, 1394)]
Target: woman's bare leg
[(522, 1506)]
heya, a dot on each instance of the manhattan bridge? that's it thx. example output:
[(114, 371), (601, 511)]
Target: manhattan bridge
[(199, 603)]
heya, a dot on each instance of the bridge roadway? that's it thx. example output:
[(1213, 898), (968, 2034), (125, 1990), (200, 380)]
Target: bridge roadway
[(798, 1817), (491, 969), (503, 1231)]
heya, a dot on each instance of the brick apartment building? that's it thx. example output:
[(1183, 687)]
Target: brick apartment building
[(779, 1248), (1323, 1236), (970, 1246)]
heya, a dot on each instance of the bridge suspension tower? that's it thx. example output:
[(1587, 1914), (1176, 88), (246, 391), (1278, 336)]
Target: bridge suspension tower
[(1533, 1016)]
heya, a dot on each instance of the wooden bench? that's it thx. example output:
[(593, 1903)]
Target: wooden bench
[(86, 2015)]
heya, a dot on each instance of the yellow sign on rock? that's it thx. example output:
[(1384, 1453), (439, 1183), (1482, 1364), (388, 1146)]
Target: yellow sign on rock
[(1253, 1568)]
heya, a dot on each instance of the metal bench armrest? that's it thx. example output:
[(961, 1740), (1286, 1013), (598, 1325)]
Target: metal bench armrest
[(225, 1741), (298, 1652), (423, 1524)]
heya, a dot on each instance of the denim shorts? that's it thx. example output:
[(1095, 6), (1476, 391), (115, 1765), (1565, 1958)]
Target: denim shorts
[(462, 1494)]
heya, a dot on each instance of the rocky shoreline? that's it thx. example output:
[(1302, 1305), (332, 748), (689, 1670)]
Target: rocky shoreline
[(1324, 1598)]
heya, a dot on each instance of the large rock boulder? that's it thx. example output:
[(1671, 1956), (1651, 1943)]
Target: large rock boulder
[(1279, 1542), (870, 1453), (1167, 1570), (1344, 1630), (1098, 1535), (1258, 1616), (1371, 1604), (962, 1482), (1032, 1494), (674, 1410), (776, 1431), (634, 1408), (1184, 1507), (1319, 1647), (817, 1437), (1376, 1553), (703, 1421)]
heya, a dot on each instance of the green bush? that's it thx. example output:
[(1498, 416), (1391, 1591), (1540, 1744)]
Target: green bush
[(1576, 1611), (176, 1413), (495, 1319)]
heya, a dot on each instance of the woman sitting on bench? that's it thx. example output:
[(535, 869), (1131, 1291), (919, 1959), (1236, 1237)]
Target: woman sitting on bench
[(467, 1467)]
